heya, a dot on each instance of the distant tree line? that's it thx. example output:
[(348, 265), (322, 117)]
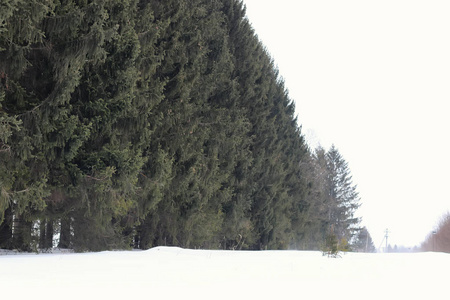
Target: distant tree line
[(137, 123), (439, 239)]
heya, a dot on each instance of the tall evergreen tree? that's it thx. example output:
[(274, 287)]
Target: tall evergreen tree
[(311, 221), (272, 178), (343, 196), (23, 90)]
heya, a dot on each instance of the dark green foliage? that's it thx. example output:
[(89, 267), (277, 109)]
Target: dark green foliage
[(332, 201), (343, 196), (331, 246), (140, 123), (334, 247)]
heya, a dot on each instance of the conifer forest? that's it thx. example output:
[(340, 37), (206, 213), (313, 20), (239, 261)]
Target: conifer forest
[(140, 123)]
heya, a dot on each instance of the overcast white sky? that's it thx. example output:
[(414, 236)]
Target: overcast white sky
[(372, 77)]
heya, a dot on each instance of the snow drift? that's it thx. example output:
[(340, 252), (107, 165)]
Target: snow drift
[(174, 273)]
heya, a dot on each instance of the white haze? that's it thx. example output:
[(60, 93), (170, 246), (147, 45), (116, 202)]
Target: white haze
[(373, 78)]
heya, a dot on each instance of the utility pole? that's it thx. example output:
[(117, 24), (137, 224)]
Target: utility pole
[(386, 237)]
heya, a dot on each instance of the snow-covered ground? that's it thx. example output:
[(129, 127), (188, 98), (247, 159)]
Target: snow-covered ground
[(174, 273)]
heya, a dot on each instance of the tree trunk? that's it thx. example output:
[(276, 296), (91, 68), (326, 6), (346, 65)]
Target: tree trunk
[(65, 236), (42, 234), (49, 235), (22, 234), (6, 230)]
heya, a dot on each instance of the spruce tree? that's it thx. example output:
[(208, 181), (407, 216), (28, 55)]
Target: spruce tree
[(23, 89), (312, 222), (363, 241), (272, 181), (343, 196)]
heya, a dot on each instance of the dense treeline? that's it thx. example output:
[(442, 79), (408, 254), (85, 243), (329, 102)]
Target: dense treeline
[(136, 123)]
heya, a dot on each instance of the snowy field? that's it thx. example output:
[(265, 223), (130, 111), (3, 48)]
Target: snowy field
[(174, 273)]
